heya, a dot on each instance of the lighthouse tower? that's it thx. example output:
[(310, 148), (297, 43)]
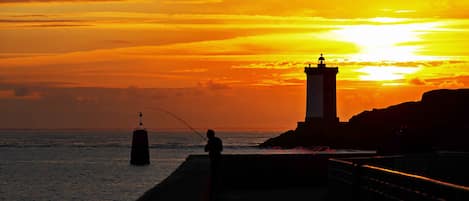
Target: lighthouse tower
[(321, 94)]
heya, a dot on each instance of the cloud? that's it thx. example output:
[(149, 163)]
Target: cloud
[(57, 25), (45, 23), (330, 9), (28, 90), (214, 85), (20, 93), (279, 82), (33, 1), (117, 108), (37, 21), (451, 84), (269, 44), (272, 65), (442, 82), (191, 1), (33, 85), (417, 81), (423, 63), (23, 91), (250, 46), (352, 69), (208, 20), (192, 70), (28, 15), (119, 41)]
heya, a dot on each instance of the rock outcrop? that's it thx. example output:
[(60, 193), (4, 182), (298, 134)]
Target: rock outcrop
[(439, 121)]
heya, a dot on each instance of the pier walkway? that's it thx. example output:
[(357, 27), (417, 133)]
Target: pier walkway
[(248, 177)]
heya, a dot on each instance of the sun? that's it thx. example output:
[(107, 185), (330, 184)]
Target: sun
[(385, 42), (385, 73)]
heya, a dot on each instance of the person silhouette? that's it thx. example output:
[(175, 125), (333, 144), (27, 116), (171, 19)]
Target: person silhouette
[(214, 148)]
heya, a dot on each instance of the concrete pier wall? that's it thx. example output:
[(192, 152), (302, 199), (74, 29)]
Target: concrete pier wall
[(275, 171), (246, 174), (333, 177), (190, 181)]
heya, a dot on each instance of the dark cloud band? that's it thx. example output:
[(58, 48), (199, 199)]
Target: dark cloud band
[(32, 1)]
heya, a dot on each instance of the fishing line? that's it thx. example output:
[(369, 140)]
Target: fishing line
[(180, 120)]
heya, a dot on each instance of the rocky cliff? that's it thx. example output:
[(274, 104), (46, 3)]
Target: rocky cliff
[(439, 121)]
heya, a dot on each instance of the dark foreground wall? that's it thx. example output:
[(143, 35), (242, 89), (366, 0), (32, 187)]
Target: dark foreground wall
[(191, 181), (276, 171)]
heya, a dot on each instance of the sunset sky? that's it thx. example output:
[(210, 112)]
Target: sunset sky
[(222, 64)]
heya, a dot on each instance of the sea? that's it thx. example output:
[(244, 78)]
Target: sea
[(38, 165)]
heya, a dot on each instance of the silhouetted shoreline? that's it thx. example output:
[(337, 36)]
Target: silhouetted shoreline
[(439, 121)]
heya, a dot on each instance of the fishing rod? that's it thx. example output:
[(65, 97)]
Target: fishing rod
[(180, 120)]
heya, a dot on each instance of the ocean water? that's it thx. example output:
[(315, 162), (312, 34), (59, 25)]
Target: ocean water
[(94, 165)]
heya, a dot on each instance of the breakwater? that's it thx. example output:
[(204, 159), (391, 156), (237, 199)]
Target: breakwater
[(248, 177)]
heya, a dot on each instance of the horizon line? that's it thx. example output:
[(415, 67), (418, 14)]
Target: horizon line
[(224, 129)]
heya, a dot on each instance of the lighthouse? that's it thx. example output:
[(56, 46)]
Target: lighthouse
[(321, 106), (139, 154)]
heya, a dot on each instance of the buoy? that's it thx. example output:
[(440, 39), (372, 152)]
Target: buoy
[(140, 154)]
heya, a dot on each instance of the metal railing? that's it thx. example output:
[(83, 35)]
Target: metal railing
[(356, 181)]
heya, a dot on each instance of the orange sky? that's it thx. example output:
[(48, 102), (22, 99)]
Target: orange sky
[(223, 64)]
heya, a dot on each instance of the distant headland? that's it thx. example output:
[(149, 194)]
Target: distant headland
[(440, 121)]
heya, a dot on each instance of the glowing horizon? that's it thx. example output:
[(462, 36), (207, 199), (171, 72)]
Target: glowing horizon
[(222, 63)]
